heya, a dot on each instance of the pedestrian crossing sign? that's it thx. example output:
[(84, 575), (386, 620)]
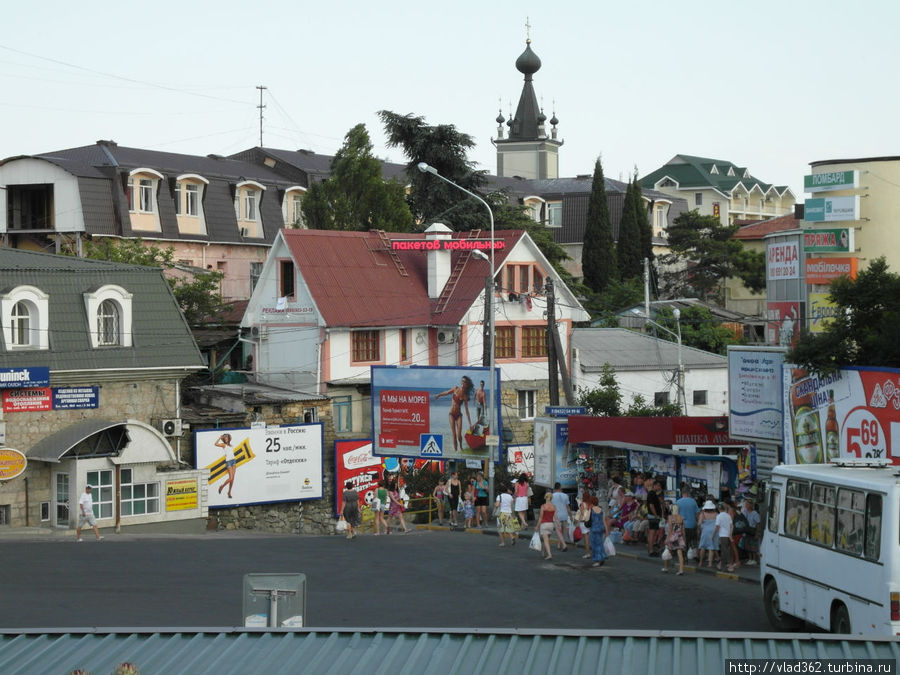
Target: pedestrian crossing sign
[(431, 445)]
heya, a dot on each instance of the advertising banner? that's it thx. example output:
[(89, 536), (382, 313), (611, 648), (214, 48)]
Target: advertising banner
[(755, 399), (831, 209), (354, 462), (826, 270), (783, 261), (181, 494), (835, 240), (435, 412), (27, 400), (12, 463), (854, 413), (554, 457), (75, 398), (821, 311), (260, 466), (520, 459), (831, 180), (781, 327), (20, 378)]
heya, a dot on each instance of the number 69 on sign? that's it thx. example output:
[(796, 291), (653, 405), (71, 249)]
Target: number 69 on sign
[(863, 435)]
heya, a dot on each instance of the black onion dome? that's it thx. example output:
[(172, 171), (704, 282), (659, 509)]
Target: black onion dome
[(528, 62), (553, 120), (541, 118), (500, 118)]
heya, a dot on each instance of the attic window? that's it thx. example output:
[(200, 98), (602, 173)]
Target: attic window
[(666, 182), (746, 174), (286, 278), (269, 162), (730, 170), (714, 169)]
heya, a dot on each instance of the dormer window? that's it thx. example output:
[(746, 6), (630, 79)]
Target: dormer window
[(109, 316), (715, 169), (292, 206), (247, 199), (730, 170), (25, 316), (188, 196), (141, 193)]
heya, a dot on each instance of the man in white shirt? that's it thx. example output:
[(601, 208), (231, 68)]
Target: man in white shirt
[(86, 514), (724, 524)]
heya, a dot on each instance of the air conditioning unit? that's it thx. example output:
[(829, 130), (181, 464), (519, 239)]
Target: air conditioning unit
[(260, 332), (446, 337), (170, 428)]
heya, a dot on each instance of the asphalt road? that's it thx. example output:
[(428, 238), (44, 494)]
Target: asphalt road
[(422, 579)]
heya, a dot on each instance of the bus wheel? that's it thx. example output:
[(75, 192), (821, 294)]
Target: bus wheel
[(840, 620), (777, 618)]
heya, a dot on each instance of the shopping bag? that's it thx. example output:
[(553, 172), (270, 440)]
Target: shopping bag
[(535, 543), (692, 553), (571, 532), (341, 526), (666, 554), (609, 547), (578, 535)]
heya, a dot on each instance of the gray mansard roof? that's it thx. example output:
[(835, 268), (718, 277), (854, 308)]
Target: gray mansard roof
[(161, 338)]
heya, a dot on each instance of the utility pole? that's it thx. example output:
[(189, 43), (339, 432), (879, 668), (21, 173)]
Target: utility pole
[(261, 107), (646, 287), (552, 360)]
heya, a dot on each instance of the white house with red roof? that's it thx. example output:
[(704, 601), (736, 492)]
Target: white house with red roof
[(331, 304)]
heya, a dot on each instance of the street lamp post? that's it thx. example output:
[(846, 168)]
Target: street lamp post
[(425, 168), (682, 403)]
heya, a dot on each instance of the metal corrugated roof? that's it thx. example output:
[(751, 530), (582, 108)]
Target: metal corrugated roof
[(356, 282), (409, 651), (629, 350)]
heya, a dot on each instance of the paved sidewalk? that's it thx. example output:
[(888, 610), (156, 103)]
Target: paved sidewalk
[(743, 574)]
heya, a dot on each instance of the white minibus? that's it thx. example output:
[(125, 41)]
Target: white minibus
[(831, 548)]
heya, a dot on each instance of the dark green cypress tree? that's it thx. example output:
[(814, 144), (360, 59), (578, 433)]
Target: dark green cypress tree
[(598, 257), (644, 224), (628, 247)]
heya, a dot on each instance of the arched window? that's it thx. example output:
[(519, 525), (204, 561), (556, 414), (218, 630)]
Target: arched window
[(108, 323), (20, 325)]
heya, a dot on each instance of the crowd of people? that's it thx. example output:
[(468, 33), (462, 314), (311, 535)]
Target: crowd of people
[(699, 528)]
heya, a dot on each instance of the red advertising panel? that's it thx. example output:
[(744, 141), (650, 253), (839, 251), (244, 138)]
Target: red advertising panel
[(405, 415), (783, 319), (826, 270), (850, 414), (27, 400), (354, 462)]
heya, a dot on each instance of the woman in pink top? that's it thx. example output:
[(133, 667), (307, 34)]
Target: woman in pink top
[(521, 505)]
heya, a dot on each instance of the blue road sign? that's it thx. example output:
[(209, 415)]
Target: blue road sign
[(431, 445)]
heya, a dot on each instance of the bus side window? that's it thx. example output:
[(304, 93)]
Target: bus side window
[(772, 509), (796, 514), (822, 525), (850, 521), (873, 527)]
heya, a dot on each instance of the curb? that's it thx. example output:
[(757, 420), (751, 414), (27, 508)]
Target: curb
[(688, 569)]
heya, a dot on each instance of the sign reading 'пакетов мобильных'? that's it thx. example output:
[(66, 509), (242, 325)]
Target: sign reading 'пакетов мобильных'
[(447, 245)]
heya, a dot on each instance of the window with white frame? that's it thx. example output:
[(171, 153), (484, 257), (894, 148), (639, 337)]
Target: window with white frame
[(110, 307), (526, 399), (146, 193), (700, 396), (25, 318), (297, 209), (177, 195), (255, 274), (192, 199), (138, 499), (102, 494), (343, 413), (108, 326), (250, 203), (698, 199), (554, 214), (129, 194)]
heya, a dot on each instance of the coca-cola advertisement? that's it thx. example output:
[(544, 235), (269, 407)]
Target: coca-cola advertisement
[(354, 462)]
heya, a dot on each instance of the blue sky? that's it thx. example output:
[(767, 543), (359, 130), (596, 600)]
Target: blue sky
[(770, 85)]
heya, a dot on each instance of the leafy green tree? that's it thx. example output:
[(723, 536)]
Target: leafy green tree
[(628, 246), (711, 255), (598, 257), (604, 306), (446, 149), (640, 408), (356, 197), (198, 295), (605, 400), (699, 329), (864, 329)]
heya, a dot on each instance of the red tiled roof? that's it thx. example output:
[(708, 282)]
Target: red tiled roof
[(356, 282), (760, 229)]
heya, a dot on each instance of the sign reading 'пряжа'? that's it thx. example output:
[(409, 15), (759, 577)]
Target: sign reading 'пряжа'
[(447, 245)]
